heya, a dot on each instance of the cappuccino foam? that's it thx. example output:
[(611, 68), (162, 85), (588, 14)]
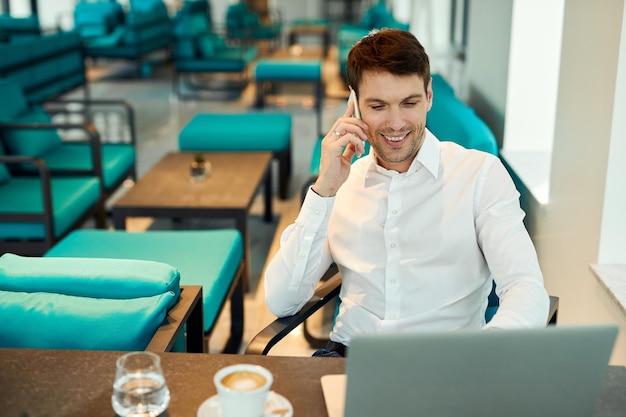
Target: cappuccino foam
[(243, 381)]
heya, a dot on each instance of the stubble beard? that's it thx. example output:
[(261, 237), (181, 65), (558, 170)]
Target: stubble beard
[(408, 151)]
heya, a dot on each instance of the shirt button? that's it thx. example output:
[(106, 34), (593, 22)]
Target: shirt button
[(392, 280), (394, 212), (393, 245), (302, 255), (392, 317), (317, 212)]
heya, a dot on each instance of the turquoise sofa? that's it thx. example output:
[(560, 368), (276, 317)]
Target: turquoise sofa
[(15, 29), (28, 130), (198, 50), (141, 33), (246, 26), (45, 66)]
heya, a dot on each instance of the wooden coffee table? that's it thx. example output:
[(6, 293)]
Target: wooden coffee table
[(227, 193)]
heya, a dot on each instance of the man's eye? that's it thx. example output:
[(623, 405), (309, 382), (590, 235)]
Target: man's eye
[(376, 107), (410, 103)]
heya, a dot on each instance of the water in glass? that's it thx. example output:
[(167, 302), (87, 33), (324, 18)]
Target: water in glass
[(139, 389), (140, 395)]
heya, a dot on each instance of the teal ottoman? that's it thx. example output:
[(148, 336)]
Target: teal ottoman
[(270, 71), (210, 258), (252, 131)]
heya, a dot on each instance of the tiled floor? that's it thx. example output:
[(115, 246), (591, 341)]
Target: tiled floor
[(160, 116)]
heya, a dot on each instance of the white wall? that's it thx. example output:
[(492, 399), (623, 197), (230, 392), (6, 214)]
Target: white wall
[(567, 230), (613, 236), (487, 64)]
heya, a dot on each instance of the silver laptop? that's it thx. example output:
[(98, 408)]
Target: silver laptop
[(553, 371)]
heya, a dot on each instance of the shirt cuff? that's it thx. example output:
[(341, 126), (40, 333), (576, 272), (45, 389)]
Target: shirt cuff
[(315, 209)]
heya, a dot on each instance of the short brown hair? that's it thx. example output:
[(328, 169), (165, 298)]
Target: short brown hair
[(387, 50)]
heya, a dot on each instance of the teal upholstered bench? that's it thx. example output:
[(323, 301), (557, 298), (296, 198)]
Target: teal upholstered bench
[(74, 303), (253, 131), (210, 258), (270, 71)]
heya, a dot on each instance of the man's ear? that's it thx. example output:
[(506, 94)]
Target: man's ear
[(429, 94)]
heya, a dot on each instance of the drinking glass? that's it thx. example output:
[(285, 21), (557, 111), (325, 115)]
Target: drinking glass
[(139, 389)]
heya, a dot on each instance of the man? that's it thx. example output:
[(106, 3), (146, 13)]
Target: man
[(418, 228)]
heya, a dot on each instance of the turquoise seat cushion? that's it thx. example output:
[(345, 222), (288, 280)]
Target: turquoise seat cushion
[(117, 159), (31, 142), (106, 40), (206, 46), (209, 258), (71, 198), (253, 131), (185, 49), (57, 321), (13, 102), (285, 69), (93, 277)]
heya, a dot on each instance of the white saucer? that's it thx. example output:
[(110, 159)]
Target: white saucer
[(276, 406)]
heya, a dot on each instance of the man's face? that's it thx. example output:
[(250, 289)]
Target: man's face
[(394, 107)]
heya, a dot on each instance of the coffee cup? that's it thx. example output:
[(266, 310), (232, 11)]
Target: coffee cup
[(243, 389)]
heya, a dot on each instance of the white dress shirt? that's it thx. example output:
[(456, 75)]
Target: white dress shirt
[(416, 250)]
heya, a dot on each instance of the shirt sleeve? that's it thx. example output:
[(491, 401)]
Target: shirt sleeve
[(303, 257), (509, 252)]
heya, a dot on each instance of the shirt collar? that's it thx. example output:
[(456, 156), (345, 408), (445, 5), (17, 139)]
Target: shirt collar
[(427, 157)]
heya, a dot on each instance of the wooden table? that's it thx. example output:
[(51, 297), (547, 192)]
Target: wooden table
[(312, 29), (57, 383), (228, 192), (66, 383)]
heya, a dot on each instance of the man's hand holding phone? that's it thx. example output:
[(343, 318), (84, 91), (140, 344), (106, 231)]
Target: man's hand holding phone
[(336, 155)]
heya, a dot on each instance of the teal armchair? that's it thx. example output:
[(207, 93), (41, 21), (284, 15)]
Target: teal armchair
[(200, 53), (37, 211), (28, 130), (14, 29), (97, 19), (246, 26), (111, 32)]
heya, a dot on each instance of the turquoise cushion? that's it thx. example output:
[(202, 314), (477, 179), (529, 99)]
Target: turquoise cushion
[(253, 131), (209, 258), (4, 173), (206, 48), (13, 102), (93, 277), (56, 321), (184, 49), (285, 69), (32, 142), (72, 198), (452, 120), (117, 159), (106, 40)]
